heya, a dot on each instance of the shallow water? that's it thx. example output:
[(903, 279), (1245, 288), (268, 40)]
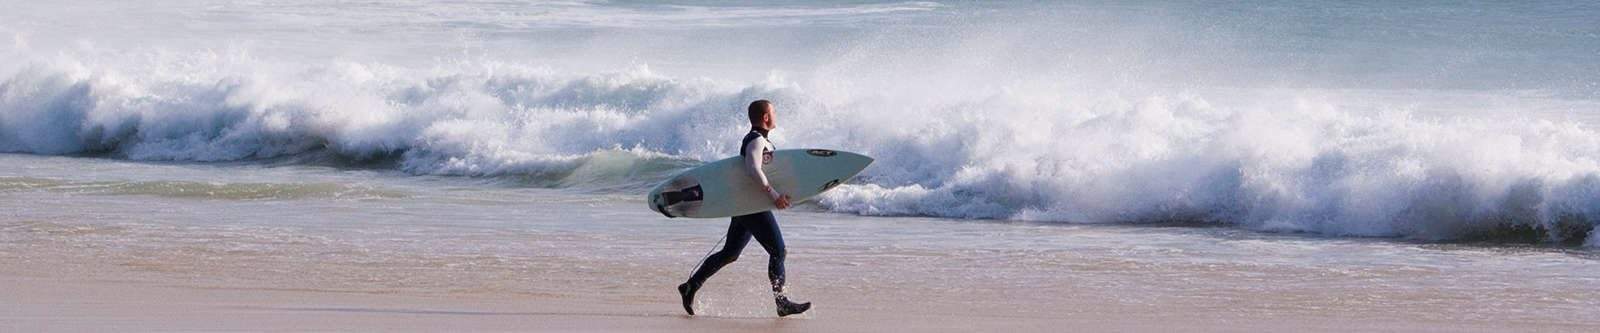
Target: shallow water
[(1388, 161), (1436, 122), (459, 236)]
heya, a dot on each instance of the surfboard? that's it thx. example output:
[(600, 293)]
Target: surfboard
[(723, 188)]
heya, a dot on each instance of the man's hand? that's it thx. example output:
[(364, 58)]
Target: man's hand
[(782, 202)]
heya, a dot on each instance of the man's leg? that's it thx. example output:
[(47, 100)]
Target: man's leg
[(738, 236), (765, 230), (764, 227)]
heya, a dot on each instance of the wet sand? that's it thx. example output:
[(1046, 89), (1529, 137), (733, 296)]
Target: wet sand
[(61, 280), (147, 254), (65, 304)]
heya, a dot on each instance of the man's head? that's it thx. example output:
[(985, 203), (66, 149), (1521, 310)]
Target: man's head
[(762, 115)]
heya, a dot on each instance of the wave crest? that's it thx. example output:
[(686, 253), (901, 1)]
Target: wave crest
[(1294, 161)]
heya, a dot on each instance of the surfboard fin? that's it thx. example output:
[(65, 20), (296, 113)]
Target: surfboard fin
[(668, 199), (689, 194), (663, 210)]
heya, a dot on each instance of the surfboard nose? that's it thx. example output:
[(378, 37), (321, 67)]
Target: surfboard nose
[(859, 160)]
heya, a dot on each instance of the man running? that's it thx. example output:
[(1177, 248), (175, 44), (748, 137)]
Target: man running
[(756, 150)]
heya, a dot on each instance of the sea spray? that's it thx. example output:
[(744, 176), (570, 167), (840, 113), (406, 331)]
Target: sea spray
[(1275, 161), (1424, 121)]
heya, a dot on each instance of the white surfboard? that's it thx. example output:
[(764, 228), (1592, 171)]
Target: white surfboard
[(723, 188)]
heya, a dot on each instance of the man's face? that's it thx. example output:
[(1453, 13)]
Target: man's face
[(770, 120)]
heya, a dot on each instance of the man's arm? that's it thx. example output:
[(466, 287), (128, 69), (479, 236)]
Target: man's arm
[(752, 165)]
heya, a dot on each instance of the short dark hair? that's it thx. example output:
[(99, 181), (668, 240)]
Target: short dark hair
[(758, 108)]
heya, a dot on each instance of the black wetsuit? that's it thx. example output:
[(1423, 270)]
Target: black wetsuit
[(762, 226)]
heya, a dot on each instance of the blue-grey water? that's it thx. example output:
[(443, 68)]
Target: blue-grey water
[(1363, 157)]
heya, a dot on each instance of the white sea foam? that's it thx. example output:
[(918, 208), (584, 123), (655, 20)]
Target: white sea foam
[(1111, 120), (1283, 162)]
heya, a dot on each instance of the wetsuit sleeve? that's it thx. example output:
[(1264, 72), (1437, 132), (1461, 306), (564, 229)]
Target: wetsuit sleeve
[(752, 165)]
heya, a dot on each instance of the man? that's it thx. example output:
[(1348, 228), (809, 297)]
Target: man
[(756, 150)]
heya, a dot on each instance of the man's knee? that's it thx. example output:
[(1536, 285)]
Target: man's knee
[(778, 253), (729, 258)]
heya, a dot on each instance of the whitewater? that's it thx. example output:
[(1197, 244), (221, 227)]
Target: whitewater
[(1088, 116), (480, 165)]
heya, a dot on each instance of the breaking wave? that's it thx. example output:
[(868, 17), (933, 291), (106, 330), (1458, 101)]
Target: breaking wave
[(1325, 162)]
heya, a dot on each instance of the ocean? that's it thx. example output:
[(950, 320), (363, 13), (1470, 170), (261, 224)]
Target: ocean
[(1371, 160)]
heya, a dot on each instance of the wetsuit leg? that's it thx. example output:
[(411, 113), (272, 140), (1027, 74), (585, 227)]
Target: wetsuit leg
[(764, 227), (738, 236)]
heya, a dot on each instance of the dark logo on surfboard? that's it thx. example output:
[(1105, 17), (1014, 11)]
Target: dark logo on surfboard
[(830, 185), (820, 152)]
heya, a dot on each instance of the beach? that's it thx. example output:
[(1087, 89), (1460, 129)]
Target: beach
[(60, 305), (454, 254), (422, 165)]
